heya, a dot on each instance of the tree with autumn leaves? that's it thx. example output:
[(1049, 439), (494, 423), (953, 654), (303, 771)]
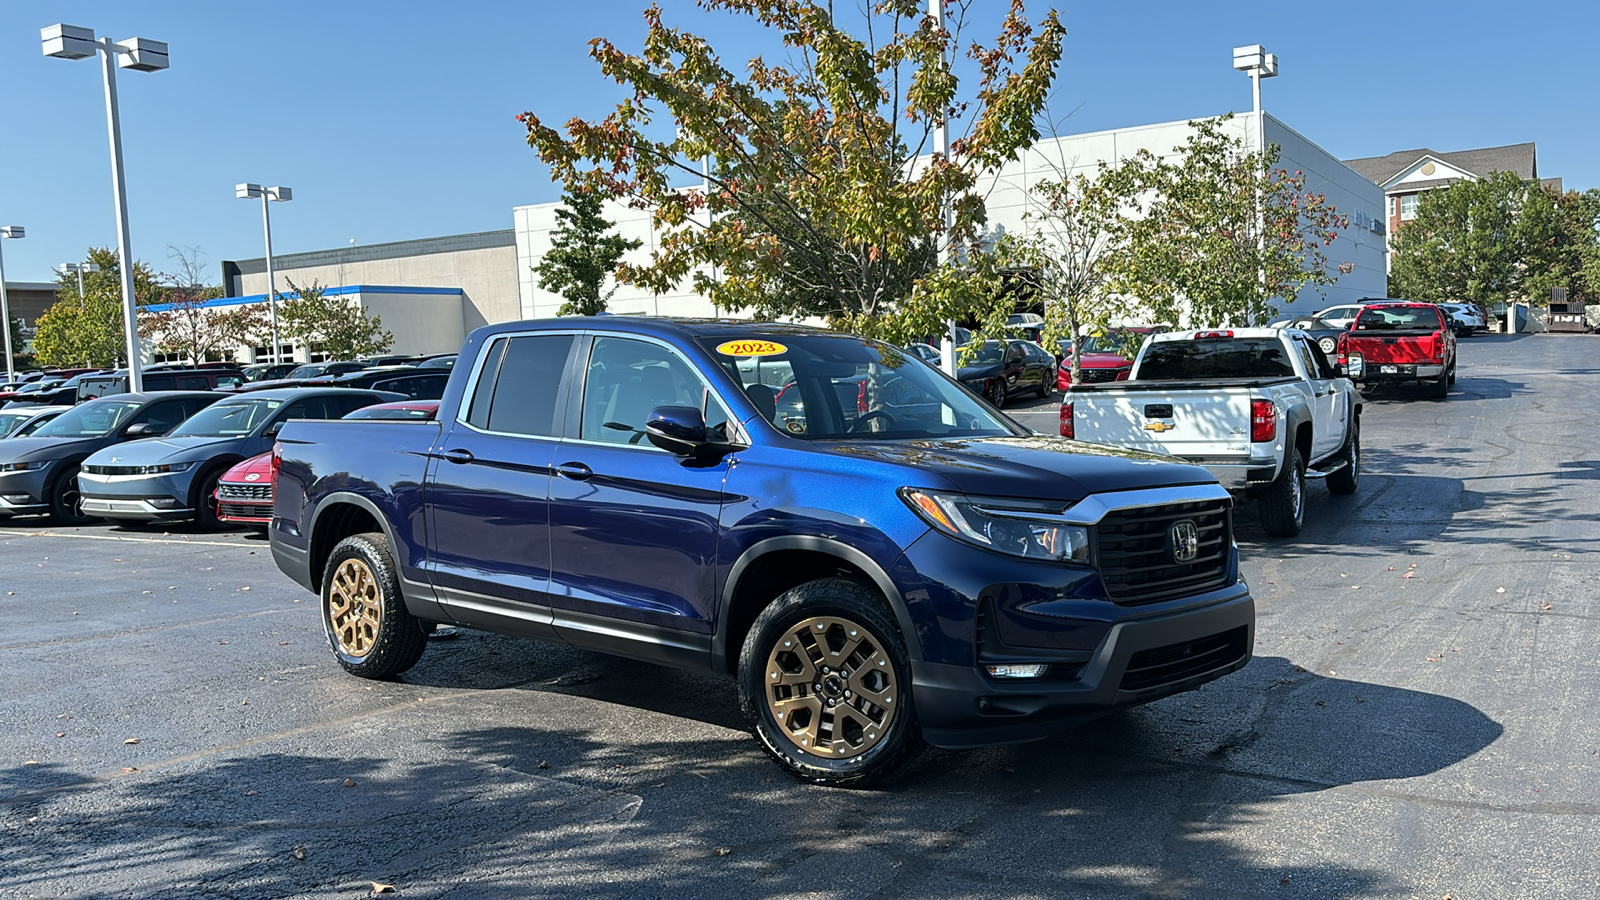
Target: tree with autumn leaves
[(819, 204)]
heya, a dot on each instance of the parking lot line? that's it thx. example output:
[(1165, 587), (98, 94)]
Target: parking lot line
[(134, 540)]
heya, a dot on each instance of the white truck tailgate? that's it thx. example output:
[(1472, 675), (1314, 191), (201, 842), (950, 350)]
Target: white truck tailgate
[(1190, 423)]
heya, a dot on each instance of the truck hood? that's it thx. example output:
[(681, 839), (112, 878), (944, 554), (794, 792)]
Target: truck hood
[(155, 451), (1038, 467)]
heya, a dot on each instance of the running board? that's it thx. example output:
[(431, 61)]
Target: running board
[(1324, 473)]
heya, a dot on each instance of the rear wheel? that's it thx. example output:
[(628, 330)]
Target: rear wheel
[(1440, 389), (1328, 345), (66, 501), (825, 681), (1283, 506), (1347, 478), (1452, 373), (371, 632), (1047, 386)]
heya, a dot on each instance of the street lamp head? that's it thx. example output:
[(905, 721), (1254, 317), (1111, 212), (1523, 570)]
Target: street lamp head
[(247, 191), (142, 55), (1269, 66), (88, 267), (68, 41), (280, 194), (1250, 57), (13, 231)]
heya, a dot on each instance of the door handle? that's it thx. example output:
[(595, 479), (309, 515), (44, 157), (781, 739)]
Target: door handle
[(459, 457), (574, 470)]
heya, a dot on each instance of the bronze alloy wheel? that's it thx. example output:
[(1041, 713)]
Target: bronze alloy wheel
[(354, 608), (831, 687)]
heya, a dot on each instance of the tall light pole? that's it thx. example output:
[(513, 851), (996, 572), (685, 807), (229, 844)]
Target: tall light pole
[(268, 195), (8, 231), (79, 268), (941, 146), (140, 55), (1258, 64)]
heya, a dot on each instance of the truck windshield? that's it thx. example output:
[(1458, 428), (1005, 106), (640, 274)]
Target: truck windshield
[(836, 387), (94, 419), (227, 419), (1215, 358)]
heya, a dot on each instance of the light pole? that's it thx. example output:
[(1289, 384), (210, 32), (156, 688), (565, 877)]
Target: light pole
[(140, 55), (268, 195), (8, 231), (79, 268), (1258, 64), (941, 146)]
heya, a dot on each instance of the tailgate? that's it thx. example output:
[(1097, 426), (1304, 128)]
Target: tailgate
[(1392, 348), (1193, 424)]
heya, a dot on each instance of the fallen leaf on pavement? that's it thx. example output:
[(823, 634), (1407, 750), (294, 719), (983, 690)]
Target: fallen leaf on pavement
[(380, 888), (349, 782), (722, 851), (127, 769), (245, 588), (1406, 575), (251, 793), (1546, 606), (131, 741), (30, 762), (1499, 590), (299, 853), (1391, 568)]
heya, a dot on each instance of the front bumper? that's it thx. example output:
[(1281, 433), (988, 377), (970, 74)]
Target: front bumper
[(1137, 662), (24, 493), (253, 512), (136, 497)]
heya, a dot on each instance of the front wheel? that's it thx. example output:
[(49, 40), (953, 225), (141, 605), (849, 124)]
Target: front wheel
[(66, 500), (1347, 478), (207, 512), (825, 680), (371, 632), (1283, 507), (995, 393)]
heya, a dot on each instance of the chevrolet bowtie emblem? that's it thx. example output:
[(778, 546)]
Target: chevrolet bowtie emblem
[(1159, 427)]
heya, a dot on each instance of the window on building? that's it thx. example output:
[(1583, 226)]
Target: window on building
[(1408, 206)]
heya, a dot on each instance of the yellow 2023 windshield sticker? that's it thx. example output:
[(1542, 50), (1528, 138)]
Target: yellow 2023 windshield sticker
[(751, 348)]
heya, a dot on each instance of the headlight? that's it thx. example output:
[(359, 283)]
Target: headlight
[(1023, 528), (167, 469), (23, 466)]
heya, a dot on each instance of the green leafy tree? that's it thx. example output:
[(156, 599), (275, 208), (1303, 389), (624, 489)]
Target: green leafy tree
[(582, 255), (19, 360), (1571, 259), (340, 328), (186, 325), (1477, 242), (1192, 257), (817, 205), (88, 330)]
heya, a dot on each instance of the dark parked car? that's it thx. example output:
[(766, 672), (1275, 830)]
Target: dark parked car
[(63, 394), (875, 579), (1325, 334), (167, 379), (268, 371), (39, 474), (999, 370), (176, 477), (427, 385)]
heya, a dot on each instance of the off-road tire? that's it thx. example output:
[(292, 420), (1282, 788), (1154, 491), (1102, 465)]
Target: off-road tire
[(1283, 506), (1347, 477), (861, 608), (66, 499), (203, 501), (380, 649)]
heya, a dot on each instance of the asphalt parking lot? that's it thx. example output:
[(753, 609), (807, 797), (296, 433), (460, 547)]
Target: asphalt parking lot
[(1420, 720)]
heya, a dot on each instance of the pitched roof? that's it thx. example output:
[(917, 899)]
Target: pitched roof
[(1518, 159)]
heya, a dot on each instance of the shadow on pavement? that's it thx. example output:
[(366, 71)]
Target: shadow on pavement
[(1149, 802)]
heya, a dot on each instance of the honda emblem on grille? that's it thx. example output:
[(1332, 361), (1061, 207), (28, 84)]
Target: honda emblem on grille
[(1185, 538)]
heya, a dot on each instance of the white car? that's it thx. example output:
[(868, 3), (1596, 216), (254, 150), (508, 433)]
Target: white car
[(21, 421), (1340, 317), (1464, 319)]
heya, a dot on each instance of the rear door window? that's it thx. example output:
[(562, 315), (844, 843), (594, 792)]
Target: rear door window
[(519, 385)]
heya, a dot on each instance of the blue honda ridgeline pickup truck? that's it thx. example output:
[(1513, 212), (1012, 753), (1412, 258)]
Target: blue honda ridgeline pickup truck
[(878, 556)]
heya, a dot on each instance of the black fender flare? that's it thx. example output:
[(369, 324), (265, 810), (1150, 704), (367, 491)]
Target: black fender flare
[(1299, 415), (354, 499), (816, 544)]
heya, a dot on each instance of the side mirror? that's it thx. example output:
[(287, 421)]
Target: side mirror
[(1355, 367), (677, 429), (139, 430), (271, 431)]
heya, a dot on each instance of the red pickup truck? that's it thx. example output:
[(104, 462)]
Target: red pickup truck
[(1400, 343)]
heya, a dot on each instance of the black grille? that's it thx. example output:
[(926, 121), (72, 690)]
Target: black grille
[(1164, 665), (1134, 553), (243, 511), (228, 491), (113, 470), (1100, 376)]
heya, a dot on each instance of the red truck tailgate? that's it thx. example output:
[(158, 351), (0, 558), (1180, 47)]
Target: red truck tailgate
[(1395, 348)]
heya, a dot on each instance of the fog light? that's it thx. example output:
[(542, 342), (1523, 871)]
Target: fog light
[(163, 503), (1029, 671), (15, 498)]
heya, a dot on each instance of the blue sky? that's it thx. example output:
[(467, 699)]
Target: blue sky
[(395, 120)]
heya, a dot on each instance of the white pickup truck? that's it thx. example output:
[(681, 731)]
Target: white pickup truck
[(1258, 407)]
